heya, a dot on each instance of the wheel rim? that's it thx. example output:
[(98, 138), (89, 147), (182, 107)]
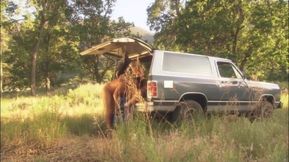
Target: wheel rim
[(266, 111), (263, 110), (189, 112)]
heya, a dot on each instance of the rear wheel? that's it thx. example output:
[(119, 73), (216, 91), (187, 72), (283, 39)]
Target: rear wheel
[(187, 111)]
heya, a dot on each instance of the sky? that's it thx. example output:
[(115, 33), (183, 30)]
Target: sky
[(132, 11)]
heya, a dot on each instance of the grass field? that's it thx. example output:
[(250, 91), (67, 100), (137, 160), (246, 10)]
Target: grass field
[(68, 126)]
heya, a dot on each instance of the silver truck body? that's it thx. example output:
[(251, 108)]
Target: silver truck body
[(182, 76)]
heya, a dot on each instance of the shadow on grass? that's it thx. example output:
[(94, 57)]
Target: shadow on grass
[(47, 126), (57, 90), (84, 125), (40, 132), (50, 125)]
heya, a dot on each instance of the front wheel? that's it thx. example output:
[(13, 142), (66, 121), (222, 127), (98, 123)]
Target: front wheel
[(264, 109)]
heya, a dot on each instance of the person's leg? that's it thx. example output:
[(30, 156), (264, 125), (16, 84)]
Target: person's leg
[(109, 105)]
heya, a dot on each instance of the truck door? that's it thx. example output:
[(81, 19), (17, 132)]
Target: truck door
[(232, 87)]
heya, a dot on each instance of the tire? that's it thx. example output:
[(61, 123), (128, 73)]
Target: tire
[(186, 111), (264, 109)]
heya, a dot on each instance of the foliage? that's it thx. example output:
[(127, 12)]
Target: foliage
[(251, 33), (5, 38), (54, 34)]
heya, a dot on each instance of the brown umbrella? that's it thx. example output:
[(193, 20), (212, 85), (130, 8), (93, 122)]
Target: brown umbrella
[(118, 46)]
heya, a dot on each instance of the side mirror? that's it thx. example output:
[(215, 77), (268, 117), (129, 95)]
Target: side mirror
[(246, 76)]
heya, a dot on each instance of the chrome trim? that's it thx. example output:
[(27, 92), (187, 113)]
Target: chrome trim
[(149, 107), (232, 101), (165, 101), (222, 108)]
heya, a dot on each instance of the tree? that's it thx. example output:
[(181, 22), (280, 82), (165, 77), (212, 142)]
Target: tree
[(248, 32), (7, 10), (162, 17), (47, 16), (265, 40), (45, 40), (45, 44), (91, 22)]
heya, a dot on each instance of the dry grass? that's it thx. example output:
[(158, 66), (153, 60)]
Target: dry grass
[(68, 127)]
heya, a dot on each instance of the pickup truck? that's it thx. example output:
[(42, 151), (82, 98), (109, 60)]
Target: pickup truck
[(184, 84)]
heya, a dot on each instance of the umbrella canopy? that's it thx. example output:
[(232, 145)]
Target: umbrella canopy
[(119, 46)]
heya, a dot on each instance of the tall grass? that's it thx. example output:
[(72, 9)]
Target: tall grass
[(82, 100), (284, 100), (69, 127)]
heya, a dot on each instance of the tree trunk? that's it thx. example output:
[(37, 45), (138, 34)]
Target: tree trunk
[(47, 84), (239, 27), (1, 77), (33, 70), (96, 70), (235, 43), (34, 56), (246, 58), (47, 63), (177, 7)]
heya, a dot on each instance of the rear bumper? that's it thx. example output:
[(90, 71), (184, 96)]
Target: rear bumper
[(155, 106), (170, 106)]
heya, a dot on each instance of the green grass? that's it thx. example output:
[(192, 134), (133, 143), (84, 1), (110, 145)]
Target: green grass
[(69, 127)]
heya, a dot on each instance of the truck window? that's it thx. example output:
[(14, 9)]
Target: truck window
[(227, 70), (188, 64)]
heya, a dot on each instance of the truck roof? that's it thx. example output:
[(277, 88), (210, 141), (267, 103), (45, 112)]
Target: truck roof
[(184, 53)]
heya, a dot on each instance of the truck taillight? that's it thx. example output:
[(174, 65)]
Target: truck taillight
[(152, 89)]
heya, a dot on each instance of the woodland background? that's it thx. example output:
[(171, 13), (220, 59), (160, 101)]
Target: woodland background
[(40, 48), (63, 118)]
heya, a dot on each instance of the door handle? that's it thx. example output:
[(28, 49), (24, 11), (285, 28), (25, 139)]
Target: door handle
[(232, 82)]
